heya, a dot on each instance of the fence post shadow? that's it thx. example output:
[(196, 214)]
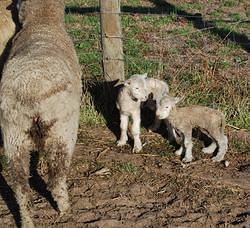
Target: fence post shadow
[(104, 95)]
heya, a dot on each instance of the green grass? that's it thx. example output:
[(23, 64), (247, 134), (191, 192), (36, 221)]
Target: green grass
[(128, 167), (196, 64)]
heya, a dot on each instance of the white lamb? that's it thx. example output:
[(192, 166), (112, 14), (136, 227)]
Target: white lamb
[(184, 119), (128, 102), (136, 90)]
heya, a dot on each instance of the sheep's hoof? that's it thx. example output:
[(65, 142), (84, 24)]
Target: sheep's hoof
[(28, 224), (63, 207), (187, 159)]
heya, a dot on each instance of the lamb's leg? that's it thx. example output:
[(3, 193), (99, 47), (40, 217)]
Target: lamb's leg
[(188, 146), (124, 127), (135, 130), (223, 146), (209, 149)]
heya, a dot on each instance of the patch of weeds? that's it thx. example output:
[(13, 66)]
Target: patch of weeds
[(192, 43), (70, 19), (75, 32), (168, 152), (223, 64), (183, 31), (190, 6), (224, 192), (157, 21), (81, 3), (137, 65), (240, 146), (173, 51), (131, 2), (3, 162), (128, 167), (91, 62), (230, 3), (235, 16), (89, 116)]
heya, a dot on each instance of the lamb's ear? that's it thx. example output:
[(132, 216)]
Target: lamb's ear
[(145, 75), (127, 82)]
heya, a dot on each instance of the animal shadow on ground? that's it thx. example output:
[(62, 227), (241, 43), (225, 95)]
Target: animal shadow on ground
[(9, 198), (163, 7)]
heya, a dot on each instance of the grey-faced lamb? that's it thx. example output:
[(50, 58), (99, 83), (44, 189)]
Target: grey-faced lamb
[(184, 119), (40, 100), (136, 90)]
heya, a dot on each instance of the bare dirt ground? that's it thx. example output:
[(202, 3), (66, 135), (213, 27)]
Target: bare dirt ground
[(110, 187)]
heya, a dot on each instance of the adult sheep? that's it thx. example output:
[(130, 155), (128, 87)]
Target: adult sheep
[(40, 100)]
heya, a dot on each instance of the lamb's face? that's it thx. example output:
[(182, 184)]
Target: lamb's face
[(164, 107), (137, 87)]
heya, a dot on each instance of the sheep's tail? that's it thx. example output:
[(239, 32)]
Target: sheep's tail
[(39, 131)]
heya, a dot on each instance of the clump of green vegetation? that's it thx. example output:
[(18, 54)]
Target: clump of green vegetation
[(128, 167)]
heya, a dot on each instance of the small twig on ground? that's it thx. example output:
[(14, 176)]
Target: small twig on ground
[(234, 127), (102, 152)]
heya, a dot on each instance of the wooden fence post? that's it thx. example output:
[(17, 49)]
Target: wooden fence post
[(113, 61)]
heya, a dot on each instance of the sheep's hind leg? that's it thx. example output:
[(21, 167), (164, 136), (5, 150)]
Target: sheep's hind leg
[(19, 169), (124, 127), (223, 146), (210, 149), (59, 159)]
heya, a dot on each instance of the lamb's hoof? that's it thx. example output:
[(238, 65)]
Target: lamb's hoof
[(187, 159), (178, 152), (206, 150), (121, 143), (137, 149), (217, 159)]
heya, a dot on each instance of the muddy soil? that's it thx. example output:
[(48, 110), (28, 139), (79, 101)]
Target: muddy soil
[(111, 187)]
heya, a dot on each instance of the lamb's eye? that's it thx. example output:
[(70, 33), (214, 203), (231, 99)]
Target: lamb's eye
[(166, 106), (136, 88)]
